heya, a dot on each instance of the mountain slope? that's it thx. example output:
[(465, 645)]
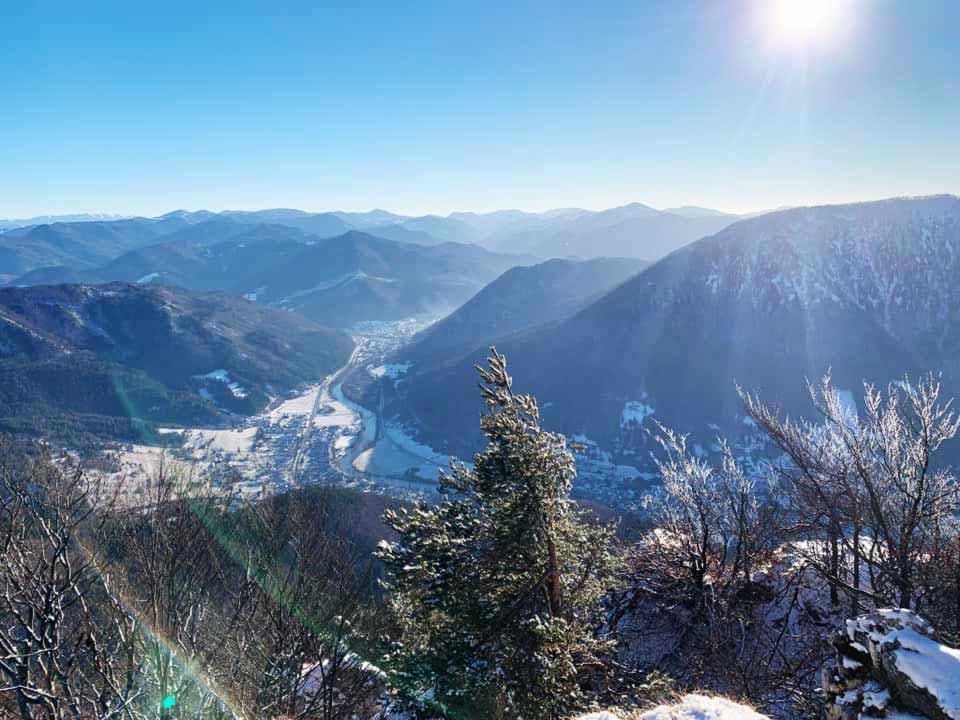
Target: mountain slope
[(521, 298), (869, 290), (121, 355), (354, 277)]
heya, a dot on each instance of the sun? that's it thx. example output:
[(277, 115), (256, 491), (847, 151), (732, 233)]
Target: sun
[(807, 22)]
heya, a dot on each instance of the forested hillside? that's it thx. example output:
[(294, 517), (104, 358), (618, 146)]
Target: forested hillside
[(115, 359)]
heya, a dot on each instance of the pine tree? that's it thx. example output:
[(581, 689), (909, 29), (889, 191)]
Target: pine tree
[(499, 585)]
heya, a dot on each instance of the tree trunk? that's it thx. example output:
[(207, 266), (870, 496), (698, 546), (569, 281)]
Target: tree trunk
[(855, 601), (834, 563), (553, 579)]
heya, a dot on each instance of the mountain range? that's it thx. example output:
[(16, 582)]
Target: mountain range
[(336, 281), (868, 290), (77, 243)]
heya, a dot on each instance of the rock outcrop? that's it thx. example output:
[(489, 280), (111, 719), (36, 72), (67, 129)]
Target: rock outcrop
[(889, 664)]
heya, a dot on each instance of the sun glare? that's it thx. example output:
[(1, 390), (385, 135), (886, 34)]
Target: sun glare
[(807, 22)]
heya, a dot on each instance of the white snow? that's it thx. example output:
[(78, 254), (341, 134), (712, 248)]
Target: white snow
[(391, 370), (148, 278), (399, 438), (396, 452), (253, 294), (851, 664), (878, 699), (229, 442), (930, 665), (635, 411), (927, 663), (221, 375), (701, 707), (299, 405), (329, 284)]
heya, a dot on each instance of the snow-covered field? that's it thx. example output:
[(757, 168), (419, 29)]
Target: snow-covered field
[(203, 443), (295, 406)]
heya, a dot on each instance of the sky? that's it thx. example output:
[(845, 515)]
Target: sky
[(144, 107)]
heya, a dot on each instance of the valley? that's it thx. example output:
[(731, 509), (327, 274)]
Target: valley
[(320, 435), (312, 437)]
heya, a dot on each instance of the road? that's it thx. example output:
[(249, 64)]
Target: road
[(303, 438)]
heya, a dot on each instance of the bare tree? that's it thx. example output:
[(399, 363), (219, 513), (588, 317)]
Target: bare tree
[(870, 485), (66, 644), (308, 614), (698, 603), (185, 606)]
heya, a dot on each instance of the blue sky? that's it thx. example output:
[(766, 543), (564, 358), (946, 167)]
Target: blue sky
[(140, 107)]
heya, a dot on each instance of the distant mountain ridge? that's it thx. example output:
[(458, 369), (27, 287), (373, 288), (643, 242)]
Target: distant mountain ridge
[(76, 243), (8, 223)]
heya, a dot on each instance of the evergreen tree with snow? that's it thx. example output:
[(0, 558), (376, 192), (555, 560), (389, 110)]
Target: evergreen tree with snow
[(499, 585)]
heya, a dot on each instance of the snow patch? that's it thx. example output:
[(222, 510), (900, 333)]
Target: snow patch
[(223, 376), (391, 370), (701, 707), (229, 442), (635, 411)]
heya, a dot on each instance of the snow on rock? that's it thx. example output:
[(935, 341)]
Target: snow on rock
[(701, 707), (889, 665), (691, 707), (149, 278)]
